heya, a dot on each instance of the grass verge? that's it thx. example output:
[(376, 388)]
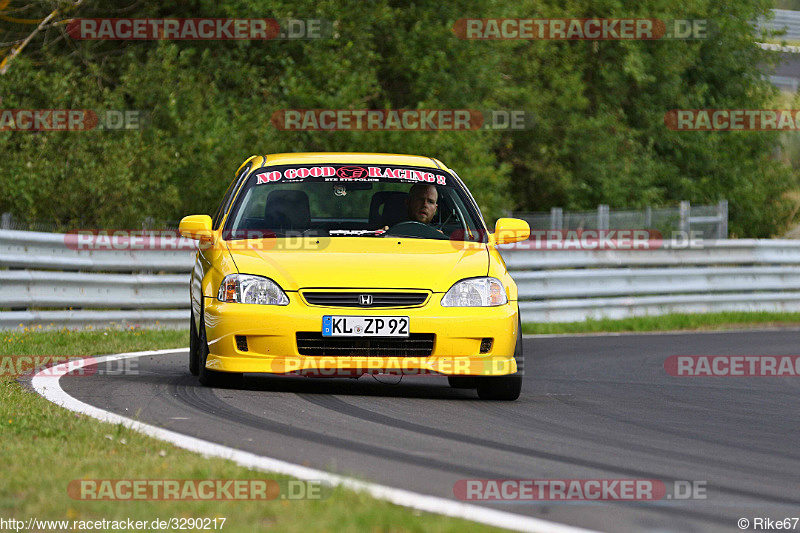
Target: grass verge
[(674, 322), (45, 447)]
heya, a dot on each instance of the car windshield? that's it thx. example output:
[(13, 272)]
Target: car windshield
[(334, 200)]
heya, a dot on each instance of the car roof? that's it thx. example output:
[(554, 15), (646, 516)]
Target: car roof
[(353, 157)]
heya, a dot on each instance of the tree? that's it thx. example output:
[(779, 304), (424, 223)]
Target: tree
[(599, 134)]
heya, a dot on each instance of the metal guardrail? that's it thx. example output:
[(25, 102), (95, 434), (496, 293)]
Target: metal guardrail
[(783, 19), (34, 250), (578, 310), (721, 252), (61, 286), (32, 288), (723, 275), (169, 318), (584, 283), (785, 82), (574, 295)]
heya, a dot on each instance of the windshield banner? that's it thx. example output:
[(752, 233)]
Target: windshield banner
[(349, 173)]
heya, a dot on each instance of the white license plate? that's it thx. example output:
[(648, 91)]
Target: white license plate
[(364, 326)]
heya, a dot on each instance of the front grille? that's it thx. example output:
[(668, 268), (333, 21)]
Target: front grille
[(354, 299), (416, 345)]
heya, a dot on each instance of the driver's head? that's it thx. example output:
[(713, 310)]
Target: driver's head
[(422, 202)]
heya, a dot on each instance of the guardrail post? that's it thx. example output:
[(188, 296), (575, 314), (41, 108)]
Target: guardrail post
[(685, 211), (602, 217), (722, 225), (148, 223), (648, 217), (5, 221), (556, 218)]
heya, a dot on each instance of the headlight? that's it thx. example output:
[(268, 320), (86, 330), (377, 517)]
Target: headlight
[(246, 289), (475, 292)]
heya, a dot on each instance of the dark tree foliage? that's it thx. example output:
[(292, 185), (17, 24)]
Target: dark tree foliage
[(599, 134)]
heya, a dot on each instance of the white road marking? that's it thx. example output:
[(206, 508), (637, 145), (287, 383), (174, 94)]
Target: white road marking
[(51, 390)]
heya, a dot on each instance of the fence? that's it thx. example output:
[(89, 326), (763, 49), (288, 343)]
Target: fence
[(48, 283), (708, 221)]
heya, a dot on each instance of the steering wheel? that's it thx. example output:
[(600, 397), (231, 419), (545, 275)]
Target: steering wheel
[(413, 228), (442, 223)]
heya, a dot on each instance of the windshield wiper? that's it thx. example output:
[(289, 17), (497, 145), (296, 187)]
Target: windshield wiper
[(357, 232)]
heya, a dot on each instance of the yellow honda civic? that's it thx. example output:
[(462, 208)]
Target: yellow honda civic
[(345, 264)]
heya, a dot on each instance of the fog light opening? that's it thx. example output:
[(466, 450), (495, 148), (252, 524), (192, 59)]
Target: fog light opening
[(486, 344), (241, 343)]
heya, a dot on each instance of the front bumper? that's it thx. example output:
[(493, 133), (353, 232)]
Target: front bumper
[(270, 333)]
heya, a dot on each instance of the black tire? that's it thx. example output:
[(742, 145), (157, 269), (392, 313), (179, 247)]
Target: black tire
[(194, 356), (505, 388), (462, 382), (211, 378)]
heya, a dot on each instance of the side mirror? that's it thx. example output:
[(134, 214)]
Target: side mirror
[(196, 227), (508, 230)]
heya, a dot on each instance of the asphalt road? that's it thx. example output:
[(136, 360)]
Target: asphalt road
[(591, 407)]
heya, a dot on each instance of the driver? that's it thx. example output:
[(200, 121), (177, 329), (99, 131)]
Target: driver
[(421, 202)]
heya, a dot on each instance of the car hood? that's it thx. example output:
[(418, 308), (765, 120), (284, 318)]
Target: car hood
[(361, 262)]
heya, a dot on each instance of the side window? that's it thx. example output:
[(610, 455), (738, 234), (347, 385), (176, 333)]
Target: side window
[(226, 200), (471, 200)]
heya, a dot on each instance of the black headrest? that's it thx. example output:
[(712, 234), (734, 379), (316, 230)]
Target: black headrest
[(388, 208), (291, 206)]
